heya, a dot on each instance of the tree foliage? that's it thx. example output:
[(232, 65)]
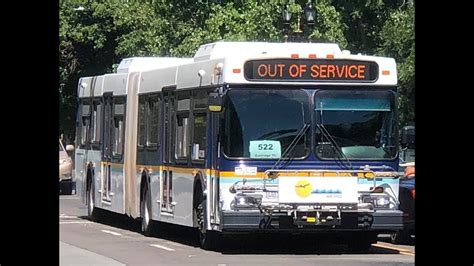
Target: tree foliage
[(96, 35)]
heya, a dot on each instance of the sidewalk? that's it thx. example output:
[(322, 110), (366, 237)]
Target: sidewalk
[(71, 255)]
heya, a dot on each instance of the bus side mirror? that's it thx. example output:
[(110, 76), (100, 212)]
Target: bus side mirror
[(215, 102), (408, 137)]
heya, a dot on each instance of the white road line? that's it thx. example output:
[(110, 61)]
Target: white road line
[(110, 232), (76, 222), (64, 216), (175, 244), (162, 247)]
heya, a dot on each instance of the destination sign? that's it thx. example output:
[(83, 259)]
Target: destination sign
[(311, 70)]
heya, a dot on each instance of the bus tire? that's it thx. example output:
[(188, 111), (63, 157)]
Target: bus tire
[(145, 213), (207, 239), (92, 211)]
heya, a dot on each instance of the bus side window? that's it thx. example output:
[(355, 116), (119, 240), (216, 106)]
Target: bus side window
[(85, 123), (141, 122), (96, 121), (182, 126), (153, 115), (118, 127), (199, 136), (199, 125)]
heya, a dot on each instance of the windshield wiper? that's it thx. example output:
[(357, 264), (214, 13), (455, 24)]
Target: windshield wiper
[(292, 145), (334, 144)]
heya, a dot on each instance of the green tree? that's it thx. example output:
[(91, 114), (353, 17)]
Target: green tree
[(95, 38), (398, 41)]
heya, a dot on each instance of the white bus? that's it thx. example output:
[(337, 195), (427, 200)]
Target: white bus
[(245, 137)]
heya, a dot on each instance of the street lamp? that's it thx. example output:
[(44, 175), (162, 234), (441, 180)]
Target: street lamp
[(286, 21), (309, 14)]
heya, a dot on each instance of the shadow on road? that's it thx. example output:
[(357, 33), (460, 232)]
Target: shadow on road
[(386, 238), (274, 243)]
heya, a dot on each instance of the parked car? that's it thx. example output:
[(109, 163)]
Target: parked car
[(65, 168), (407, 205)]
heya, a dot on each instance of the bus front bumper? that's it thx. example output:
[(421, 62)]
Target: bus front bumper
[(234, 221)]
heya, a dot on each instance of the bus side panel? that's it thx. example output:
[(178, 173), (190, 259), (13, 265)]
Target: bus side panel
[(80, 174), (116, 190), (183, 196), (182, 191), (155, 190)]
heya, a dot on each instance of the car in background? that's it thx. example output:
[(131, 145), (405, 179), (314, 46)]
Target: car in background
[(65, 168)]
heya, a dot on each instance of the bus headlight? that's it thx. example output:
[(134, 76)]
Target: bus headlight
[(379, 201), (246, 201)]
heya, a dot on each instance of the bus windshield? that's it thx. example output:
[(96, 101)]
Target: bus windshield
[(262, 123), (361, 124)]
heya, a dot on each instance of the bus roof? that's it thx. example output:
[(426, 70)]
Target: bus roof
[(248, 63)]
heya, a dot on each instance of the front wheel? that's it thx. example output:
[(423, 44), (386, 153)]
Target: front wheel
[(207, 239)]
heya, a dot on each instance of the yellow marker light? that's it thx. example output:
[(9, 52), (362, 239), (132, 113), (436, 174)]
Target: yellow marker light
[(369, 175), (311, 219), (215, 108), (385, 72)]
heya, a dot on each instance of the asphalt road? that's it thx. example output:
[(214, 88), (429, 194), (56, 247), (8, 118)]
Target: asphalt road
[(116, 240)]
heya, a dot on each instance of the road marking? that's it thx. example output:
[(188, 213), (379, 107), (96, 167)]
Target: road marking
[(401, 251), (110, 232), (76, 222), (175, 244), (162, 247), (64, 216)]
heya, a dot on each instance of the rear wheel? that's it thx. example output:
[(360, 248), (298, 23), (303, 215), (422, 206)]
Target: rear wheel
[(91, 210), (145, 213)]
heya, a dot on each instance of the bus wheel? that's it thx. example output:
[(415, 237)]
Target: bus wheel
[(91, 210), (207, 238), (145, 213)]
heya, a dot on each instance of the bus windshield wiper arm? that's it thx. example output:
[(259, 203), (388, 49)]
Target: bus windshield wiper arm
[(292, 145), (333, 142)]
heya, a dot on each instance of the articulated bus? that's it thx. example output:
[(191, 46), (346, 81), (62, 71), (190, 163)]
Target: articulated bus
[(245, 137)]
